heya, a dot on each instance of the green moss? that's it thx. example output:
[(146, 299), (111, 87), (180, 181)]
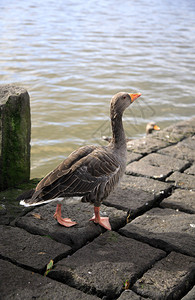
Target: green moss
[(15, 158)]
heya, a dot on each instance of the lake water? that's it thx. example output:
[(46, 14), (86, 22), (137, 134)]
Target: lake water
[(73, 55)]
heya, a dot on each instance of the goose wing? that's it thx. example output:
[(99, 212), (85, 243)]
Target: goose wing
[(87, 170)]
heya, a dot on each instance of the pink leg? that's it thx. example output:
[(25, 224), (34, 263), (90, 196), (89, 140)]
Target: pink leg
[(103, 221), (63, 221)]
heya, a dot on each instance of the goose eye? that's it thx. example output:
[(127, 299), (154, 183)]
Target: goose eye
[(124, 97)]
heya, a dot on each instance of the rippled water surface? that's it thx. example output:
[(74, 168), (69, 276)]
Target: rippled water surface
[(72, 56)]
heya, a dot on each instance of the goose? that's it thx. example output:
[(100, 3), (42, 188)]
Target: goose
[(150, 127), (91, 172)]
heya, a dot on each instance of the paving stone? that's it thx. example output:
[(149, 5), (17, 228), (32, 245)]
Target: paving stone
[(132, 200), (146, 145), (131, 156), (189, 142), (191, 170), (158, 188), (29, 250), (182, 180), (168, 278), (130, 295), (190, 295), (105, 264), (183, 200), (180, 130), (156, 166), (167, 229), (75, 236), (182, 150), (19, 284)]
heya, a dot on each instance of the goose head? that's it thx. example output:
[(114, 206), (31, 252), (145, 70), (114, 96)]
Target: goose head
[(120, 102)]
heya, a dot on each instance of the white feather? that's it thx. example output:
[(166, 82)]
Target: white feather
[(22, 202)]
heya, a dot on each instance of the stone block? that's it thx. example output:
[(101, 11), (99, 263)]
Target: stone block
[(106, 263), (131, 156), (168, 278), (156, 166), (19, 284), (181, 150), (132, 200), (182, 200), (29, 250), (182, 180), (15, 131), (75, 236), (158, 188), (146, 145), (166, 229), (180, 130)]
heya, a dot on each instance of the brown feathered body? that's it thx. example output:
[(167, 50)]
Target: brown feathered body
[(90, 172)]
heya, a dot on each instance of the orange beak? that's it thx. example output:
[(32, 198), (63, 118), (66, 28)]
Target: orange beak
[(156, 127), (134, 96)]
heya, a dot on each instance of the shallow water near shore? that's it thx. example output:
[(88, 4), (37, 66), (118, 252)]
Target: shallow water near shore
[(73, 56)]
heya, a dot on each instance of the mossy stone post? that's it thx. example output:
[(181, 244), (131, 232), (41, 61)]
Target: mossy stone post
[(15, 131)]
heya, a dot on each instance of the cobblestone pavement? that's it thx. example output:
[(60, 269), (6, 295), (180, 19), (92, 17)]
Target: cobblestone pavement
[(150, 252)]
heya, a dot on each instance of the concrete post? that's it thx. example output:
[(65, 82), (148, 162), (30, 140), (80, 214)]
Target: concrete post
[(15, 131)]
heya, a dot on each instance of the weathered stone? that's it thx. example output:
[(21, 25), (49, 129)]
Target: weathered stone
[(180, 199), (166, 228), (182, 150), (131, 156), (158, 188), (75, 236), (180, 130), (190, 295), (132, 200), (168, 278), (191, 170), (29, 250), (9, 206), (156, 166), (130, 295), (146, 145), (15, 126), (105, 264), (182, 180), (19, 284)]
